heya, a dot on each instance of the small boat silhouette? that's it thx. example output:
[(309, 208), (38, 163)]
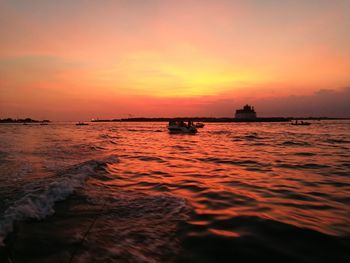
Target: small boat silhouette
[(300, 123), (81, 123), (181, 127)]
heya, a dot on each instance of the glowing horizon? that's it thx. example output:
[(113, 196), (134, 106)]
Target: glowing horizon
[(113, 59)]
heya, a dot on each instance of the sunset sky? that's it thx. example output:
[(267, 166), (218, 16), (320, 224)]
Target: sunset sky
[(77, 60)]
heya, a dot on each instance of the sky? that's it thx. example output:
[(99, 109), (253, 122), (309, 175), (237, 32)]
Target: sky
[(81, 59)]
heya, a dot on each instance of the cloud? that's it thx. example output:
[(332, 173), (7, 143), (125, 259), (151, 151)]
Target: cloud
[(325, 102)]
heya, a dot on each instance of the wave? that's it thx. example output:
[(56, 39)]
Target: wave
[(302, 166), (336, 141), (138, 130), (220, 132), (3, 154), (305, 154), (254, 238), (39, 202), (128, 226), (241, 162), (253, 136), (295, 143)]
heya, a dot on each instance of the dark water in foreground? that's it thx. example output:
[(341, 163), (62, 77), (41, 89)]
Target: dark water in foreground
[(132, 192)]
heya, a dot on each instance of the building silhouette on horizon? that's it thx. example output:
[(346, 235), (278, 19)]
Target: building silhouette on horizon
[(247, 113)]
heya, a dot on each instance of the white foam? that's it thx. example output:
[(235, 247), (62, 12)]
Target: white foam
[(40, 205)]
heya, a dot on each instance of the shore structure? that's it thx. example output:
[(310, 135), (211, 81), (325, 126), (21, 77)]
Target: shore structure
[(246, 113), (197, 119)]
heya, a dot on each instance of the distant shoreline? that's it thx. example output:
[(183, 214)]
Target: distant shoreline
[(195, 119), (26, 120), (207, 119)]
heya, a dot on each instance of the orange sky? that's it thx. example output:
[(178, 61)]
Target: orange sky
[(70, 60)]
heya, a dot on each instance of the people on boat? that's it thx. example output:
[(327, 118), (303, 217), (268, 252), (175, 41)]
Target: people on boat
[(297, 122), (181, 127)]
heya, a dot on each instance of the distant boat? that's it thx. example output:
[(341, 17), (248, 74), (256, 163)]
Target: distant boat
[(81, 123), (199, 125), (181, 127), (300, 123)]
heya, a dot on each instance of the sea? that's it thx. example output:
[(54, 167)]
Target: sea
[(133, 192)]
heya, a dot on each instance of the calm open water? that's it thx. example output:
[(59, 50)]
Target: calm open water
[(132, 192)]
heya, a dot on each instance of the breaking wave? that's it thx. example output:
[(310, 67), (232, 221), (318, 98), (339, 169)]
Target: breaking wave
[(38, 202)]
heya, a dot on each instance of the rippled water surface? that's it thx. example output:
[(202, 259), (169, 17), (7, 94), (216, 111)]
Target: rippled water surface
[(132, 192)]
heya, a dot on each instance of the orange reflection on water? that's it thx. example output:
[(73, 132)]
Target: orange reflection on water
[(225, 233), (237, 169), (225, 171)]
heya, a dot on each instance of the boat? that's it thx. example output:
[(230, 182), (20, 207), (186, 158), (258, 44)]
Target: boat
[(181, 127), (199, 125), (300, 123), (81, 123)]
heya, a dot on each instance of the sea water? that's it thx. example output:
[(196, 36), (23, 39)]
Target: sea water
[(132, 192)]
